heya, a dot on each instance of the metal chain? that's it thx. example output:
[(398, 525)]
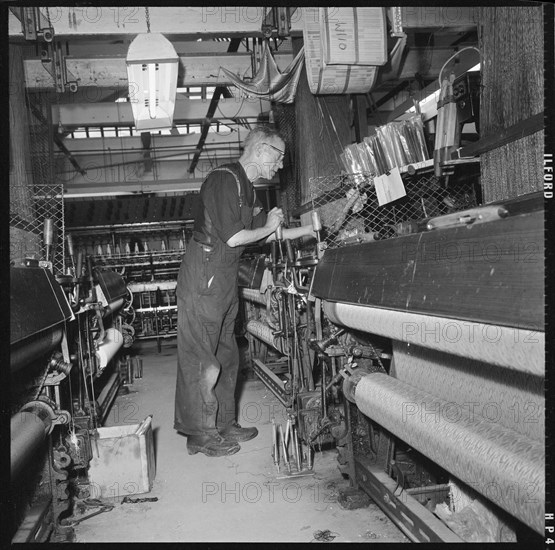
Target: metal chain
[(147, 19)]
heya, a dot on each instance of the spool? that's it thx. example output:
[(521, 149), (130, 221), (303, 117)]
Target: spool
[(316, 222), (48, 231)]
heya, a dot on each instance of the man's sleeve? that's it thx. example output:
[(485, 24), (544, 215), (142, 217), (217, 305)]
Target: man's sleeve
[(221, 199)]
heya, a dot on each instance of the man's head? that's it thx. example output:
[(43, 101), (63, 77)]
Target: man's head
[(263, 153)]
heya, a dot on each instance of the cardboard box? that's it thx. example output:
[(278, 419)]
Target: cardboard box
[(124, 464)]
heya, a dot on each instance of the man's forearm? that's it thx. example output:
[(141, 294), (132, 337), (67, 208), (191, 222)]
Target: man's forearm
[(294, 232), (248, 236)]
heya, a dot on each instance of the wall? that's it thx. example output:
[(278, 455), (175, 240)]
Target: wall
[(511, 42)]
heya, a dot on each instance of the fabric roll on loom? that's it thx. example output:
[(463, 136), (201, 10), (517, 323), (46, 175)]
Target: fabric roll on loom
[(113, 341), (513, 399), (253, 295), (503, 465), (265, 333), (502, 346)]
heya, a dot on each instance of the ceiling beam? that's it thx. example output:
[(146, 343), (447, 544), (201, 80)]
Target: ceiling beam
[(72, 190), (186, 111), (126, 187), (204, 70), (130, 144), (117, 22), (426, 62), (183, 22), (111, 72)]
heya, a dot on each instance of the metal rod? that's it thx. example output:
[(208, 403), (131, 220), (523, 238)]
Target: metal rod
[(296, 445), (285, 454)]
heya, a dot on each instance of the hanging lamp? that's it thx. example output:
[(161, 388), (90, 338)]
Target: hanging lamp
[(152, 67)]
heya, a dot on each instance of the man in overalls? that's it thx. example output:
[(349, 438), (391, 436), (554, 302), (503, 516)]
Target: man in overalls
[(230, 217)]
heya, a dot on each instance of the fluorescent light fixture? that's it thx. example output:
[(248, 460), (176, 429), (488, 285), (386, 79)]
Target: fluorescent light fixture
[(152, 66)]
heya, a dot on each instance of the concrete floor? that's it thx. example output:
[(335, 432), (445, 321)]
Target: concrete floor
[(239, 498)]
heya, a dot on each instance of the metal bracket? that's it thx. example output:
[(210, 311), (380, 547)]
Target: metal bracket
[(28, 17), (416, 522), (278, 22), (347, 370), (55, 63), (277, 386), (396, 21)]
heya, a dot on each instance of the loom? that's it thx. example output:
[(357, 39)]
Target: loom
[(66, 336), (459, 307)]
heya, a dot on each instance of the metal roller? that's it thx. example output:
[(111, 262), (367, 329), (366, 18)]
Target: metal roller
[(25, 352), (518, 349), (253, 295), (265, 333), (112, 307), (28, 428), (506, 467)]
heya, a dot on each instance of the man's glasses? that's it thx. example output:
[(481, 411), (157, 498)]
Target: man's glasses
[(282, 153)]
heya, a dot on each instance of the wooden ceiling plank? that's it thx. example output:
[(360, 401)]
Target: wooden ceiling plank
[(212, 21), (111, 72), (158, 186), (186, 111), (133, 143), (119, 21)]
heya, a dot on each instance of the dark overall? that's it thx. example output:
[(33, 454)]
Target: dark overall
[(207, 305)]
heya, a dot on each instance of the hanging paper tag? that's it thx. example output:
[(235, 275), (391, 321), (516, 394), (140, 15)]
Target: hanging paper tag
[(390, 187)]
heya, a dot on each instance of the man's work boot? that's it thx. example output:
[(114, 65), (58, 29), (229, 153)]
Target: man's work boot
[(211, 444), (234, 432)]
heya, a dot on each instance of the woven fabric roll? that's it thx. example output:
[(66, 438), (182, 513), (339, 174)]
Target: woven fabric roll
[(264, 332), (504, 466), (253, 295), (109, 347), (514, 399), (522, 350)]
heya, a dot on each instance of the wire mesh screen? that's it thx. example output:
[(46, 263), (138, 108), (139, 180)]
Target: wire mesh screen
[(41, 202), (286, 123), (350, 213), (34, 197)]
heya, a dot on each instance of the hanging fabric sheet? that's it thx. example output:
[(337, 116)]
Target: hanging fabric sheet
[(269, 83)]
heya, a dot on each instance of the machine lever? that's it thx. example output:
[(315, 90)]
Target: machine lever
[(72, 523)]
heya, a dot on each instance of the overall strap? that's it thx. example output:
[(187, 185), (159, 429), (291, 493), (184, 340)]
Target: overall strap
[(224, 169)]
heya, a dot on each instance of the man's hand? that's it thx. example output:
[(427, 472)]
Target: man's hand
[(274, 219), (248, 236)]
